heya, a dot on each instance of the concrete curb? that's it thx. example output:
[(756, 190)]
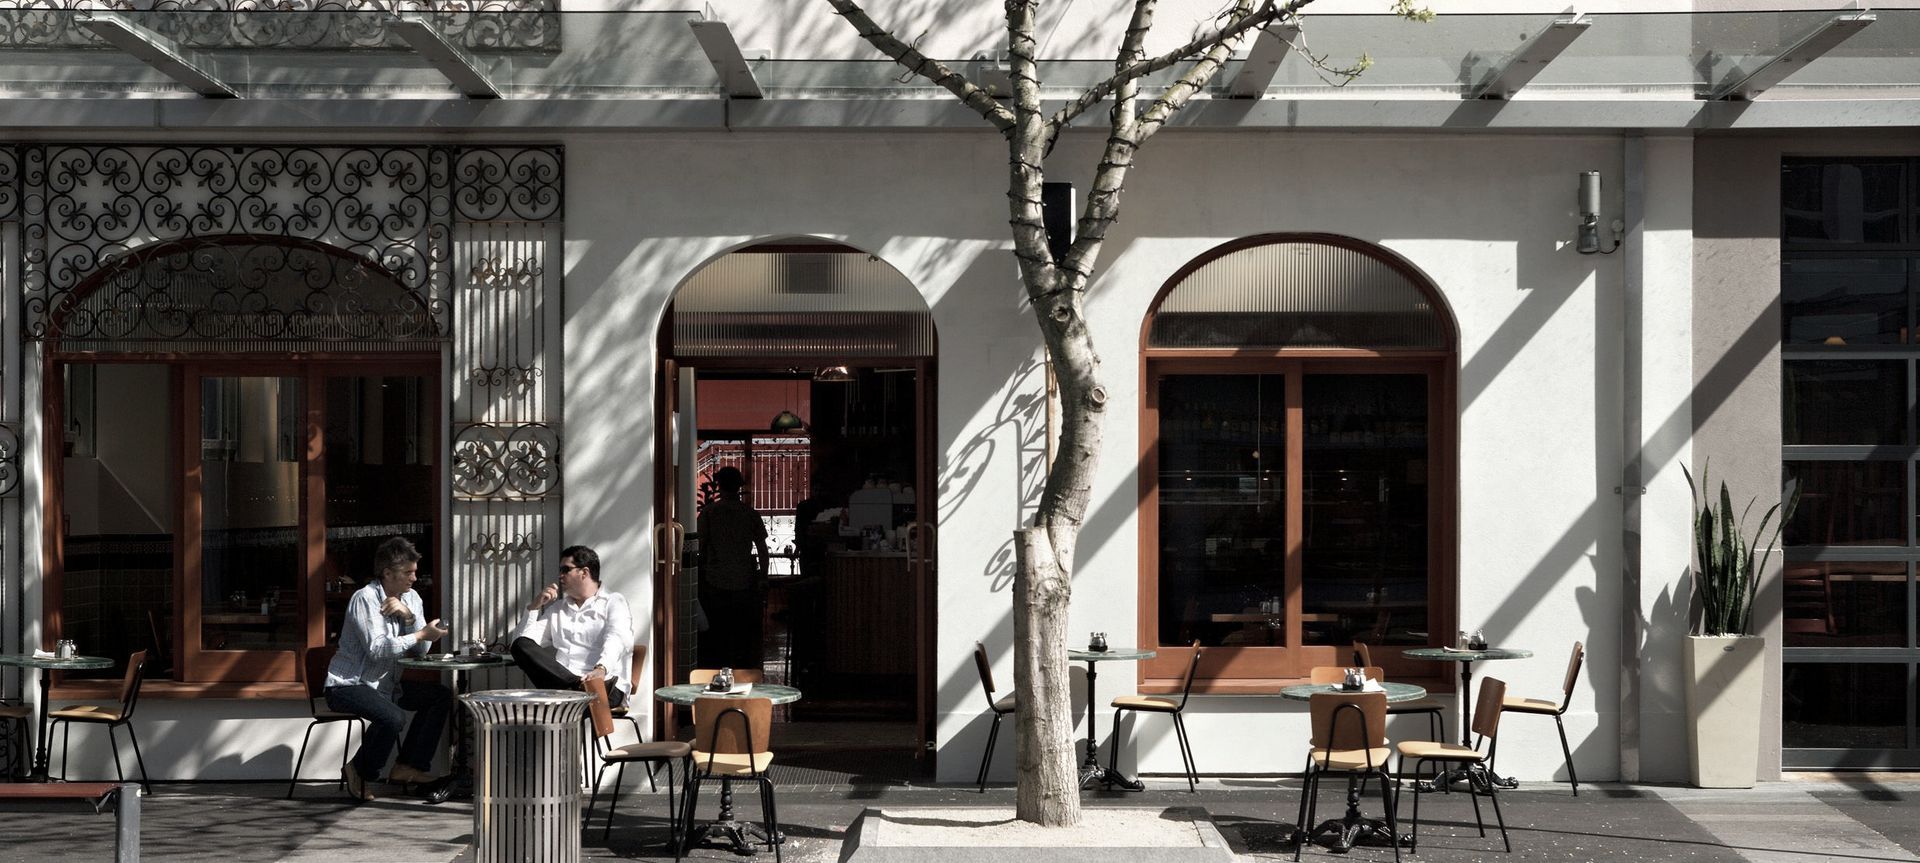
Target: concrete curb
[(865, 844)]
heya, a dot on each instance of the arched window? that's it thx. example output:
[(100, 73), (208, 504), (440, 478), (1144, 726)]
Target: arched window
[(1297, 452)]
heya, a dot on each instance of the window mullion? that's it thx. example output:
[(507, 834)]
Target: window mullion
[(1296, 508)]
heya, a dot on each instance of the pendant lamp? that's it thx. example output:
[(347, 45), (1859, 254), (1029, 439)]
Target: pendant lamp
[(786, 421)]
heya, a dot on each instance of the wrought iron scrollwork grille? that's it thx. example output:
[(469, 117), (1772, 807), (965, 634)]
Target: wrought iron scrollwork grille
[(506, 461), (9, 460), (518, 26)]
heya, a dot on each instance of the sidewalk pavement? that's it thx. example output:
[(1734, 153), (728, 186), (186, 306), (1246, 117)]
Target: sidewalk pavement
[(1833, 818)]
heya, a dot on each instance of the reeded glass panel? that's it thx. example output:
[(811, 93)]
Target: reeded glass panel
[(1858, 201), (1861, 604), (1861, 402), (1296, 295), (829, 304), (1856, 301), (380, 480), (253, 434), (118, 505), (1844, 503), (1365, 569), (1222, 509), (1844, 706)]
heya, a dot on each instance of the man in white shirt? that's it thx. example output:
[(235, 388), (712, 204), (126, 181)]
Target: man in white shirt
[(588, 634)]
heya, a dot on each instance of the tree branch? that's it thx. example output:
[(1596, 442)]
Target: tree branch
[(926, 67), (1235, 27)]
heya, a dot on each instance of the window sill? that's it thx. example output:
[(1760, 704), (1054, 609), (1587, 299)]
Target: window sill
[(109, 690)]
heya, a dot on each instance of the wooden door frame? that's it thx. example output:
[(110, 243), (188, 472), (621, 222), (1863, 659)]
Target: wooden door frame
[(313, 369)]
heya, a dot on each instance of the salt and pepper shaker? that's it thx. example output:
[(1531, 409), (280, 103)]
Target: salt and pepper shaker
[(722, 681), (1098, 642), (1478, 641), (65, 649), (1354, 680)]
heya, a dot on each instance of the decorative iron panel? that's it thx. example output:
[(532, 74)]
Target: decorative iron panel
[(517, 26), (507, 184), (506, 461), (9, 460), (9, 184)]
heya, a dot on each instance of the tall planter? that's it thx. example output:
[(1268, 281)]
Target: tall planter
[(1725, 678)]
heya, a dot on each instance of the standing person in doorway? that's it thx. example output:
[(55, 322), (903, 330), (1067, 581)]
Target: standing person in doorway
[(364, 677), (733, 576), (588, 635)]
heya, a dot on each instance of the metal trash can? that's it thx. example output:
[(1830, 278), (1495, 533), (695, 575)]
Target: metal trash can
[(526, 787)]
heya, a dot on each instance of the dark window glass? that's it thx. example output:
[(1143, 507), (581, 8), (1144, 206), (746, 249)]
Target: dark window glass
[(1844, 402), (1844, 706), (1364, 573), (1854, 301), (1845, 604), (253, 433), (1222, 509), (1836, 202), (380, 483), (1844, 503)]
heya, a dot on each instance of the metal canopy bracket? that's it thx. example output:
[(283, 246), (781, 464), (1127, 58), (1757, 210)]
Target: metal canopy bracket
[(459, 67), (1811, 47), (1528, 61), (158, 51), (729, 62), (1270, 47)]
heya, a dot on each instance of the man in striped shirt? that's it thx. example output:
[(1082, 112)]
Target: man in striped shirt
[(383, 624)]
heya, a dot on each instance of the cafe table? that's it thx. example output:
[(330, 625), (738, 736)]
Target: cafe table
[(1090, 770), (461, 666), (739, 833), (1466, 658), (44, 664), (1352, 827)]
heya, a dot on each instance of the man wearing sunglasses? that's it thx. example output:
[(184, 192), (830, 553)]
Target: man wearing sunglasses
[(577, 630)]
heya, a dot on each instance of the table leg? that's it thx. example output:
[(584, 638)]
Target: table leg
[(42, 754), (1466, 704), (462, 734), (1090, 770)]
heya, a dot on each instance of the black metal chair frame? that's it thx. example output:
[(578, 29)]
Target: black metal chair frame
[(600, 750), (1179, 726), (1480, 783), (1576, 663), (993, 733), (323, 719), (696, 776), (128, 702), (1309, 804)]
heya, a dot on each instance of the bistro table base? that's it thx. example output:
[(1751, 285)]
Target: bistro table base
[(1091, 773), (1350, 829)]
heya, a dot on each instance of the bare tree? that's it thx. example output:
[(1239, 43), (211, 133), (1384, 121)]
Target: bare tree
[(1056, 288)]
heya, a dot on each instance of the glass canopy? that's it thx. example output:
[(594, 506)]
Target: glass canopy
[(526, 49)]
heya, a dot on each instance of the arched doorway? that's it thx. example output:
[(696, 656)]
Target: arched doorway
[(809, 367), (242, 419), (1297, 450)]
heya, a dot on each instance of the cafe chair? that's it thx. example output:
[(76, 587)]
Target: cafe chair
[(653, 755), (1463, 764), (625, 711), (318, 658), (730, 740), (1001, 708), (1543, 707), (1432, 708), (110, 716), (1160, 704), (1349, 737)]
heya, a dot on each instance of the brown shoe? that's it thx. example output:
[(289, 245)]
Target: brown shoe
[(357, 785), (407, 774)]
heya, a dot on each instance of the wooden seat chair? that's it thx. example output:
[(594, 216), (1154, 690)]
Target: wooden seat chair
[(110, 716), (1000, 707), (315, 678), (1168, 706), (653, 755), (1543, 707), (730, 743), (1432, 708), (1476, 766), (625, 711), (1349, 737)]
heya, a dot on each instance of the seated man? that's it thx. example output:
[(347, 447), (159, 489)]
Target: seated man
[(588, 635), (364, 677)]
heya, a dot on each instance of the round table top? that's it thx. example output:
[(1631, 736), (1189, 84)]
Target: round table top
[(1111, 654), (74, 663), (1448, 654), (685, 694), (455, 661), (1395, 691)]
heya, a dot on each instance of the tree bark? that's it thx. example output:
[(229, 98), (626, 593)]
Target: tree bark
[(1048, 792)]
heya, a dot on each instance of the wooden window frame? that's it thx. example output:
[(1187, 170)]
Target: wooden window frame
[(1251, 669), (233, 673)]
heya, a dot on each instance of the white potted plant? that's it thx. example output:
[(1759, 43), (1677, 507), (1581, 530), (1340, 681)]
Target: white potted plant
[(1725, 661)]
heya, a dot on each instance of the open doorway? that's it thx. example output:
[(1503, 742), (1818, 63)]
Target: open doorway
[(797, 417)]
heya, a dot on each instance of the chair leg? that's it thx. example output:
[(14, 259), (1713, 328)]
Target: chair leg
[(1300, 820), (1567, 753), (301, 759), (593, 798), (1473, 794), (773, 819), (1113, 746), (652, 766), (66, 737), (1493, 794), (613, 802), (986, 758), (1386, 802), (1186, 753), (137, 759), (673, 812), (347, 748), (1308, 799)]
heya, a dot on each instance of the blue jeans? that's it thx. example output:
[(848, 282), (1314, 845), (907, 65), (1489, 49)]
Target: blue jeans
[(428, 701)]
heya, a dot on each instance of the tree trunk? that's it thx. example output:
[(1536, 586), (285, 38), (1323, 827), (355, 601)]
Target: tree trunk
[(1049, 786)]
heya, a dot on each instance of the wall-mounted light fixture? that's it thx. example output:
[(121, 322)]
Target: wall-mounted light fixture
[(1589, 241)]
